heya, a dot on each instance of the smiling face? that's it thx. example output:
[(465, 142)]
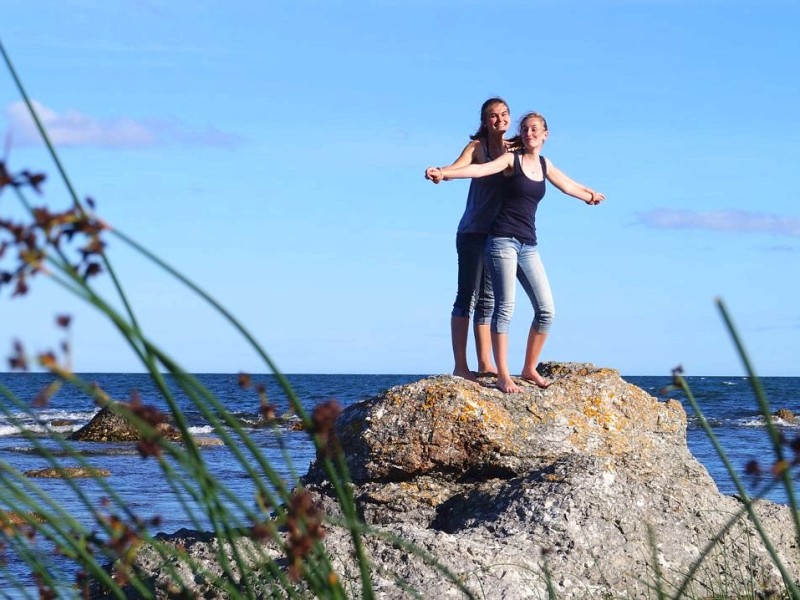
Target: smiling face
[(533, 131), (496, 118)]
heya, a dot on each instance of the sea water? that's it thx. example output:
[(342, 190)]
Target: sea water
[(728, 403)]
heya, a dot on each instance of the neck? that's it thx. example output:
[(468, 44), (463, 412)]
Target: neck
[(532, 152), (496, 141)]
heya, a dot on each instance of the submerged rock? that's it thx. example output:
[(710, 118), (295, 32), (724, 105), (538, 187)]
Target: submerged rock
[(589, 480), (67, 473), (10, 518), (785, 415)]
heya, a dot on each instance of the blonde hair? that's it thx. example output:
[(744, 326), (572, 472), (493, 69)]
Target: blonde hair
[(532, 115)]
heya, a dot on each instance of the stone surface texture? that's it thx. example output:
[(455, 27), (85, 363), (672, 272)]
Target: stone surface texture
[(589, 480)]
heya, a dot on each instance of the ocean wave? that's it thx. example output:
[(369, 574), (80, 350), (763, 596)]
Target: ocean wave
[(202, 429), (41, 427), (46, 416), (759, 421), (6, 430)]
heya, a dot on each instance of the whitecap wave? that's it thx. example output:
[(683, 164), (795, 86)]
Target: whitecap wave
[(6, 430), (201, 429), (759, 421)]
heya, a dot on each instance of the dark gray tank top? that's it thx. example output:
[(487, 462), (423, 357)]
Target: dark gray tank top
[(483, 200)]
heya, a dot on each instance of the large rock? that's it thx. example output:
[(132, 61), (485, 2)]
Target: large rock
[(591, 475), (108, 426), (590, 480)]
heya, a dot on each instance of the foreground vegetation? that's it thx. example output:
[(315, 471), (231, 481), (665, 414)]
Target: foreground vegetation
[(69, 248)]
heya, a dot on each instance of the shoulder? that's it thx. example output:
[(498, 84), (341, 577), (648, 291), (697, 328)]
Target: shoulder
[(476, 147)]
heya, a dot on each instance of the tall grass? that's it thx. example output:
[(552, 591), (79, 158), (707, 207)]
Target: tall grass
[(779, 469), (69, 248)]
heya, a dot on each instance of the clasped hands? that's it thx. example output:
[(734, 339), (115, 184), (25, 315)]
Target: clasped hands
[(434, 174)]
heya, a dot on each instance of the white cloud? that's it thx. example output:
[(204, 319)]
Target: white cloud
[(73, 128), (724, 220)]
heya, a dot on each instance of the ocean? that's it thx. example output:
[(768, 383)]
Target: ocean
[(728, 403)]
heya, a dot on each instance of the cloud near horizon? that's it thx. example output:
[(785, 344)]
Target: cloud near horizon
[(723, 220), (73, 128)]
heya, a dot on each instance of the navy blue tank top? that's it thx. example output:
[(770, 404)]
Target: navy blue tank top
[(483, 200), (520, 198)]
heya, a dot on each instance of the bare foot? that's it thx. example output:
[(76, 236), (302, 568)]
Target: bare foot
[(466, 374), (486, 371), (507, 385), (534, 377)]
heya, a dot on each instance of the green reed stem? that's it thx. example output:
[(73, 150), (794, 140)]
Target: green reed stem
[(284, 383), (766, 412), (63, 173), (745, 498), (208, 492)]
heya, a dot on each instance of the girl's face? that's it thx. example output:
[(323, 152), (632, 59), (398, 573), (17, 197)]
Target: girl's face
[(496, 119), (533, 132)]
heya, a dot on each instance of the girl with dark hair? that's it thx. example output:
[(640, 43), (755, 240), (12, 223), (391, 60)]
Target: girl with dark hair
[(511, 248), (474, 292)]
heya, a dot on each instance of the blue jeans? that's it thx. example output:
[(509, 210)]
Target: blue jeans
[(509, 258), (474, 284)]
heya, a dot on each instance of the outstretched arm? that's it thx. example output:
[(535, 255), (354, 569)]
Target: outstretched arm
[(571, 187), (471, 171), (465, 158)]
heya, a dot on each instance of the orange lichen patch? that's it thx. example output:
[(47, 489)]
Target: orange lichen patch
[(435, 395), (602, 413), (488, 412)]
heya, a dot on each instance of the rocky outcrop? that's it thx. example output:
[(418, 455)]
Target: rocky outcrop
[(587, 486), (108, 426)]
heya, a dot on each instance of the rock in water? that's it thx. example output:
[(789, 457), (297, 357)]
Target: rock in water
[(107, 426), (786, 415)]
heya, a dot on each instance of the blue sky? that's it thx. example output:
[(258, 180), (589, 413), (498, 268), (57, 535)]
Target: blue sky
[(274, 153)]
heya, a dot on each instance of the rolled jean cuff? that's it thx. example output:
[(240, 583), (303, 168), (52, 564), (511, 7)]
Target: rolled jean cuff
[(482, 320)]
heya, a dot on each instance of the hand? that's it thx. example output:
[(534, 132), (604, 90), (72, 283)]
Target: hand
[(434, 174), (596, 198)]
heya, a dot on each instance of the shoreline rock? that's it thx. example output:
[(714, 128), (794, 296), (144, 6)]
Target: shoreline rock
[(589, 480)]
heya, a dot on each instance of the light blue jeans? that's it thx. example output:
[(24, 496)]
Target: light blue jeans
[(510, 259)]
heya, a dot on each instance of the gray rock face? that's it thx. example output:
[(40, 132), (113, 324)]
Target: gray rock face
[(589, 480), (590, 477)]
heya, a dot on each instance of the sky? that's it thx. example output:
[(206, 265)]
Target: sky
[(273, 153)]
